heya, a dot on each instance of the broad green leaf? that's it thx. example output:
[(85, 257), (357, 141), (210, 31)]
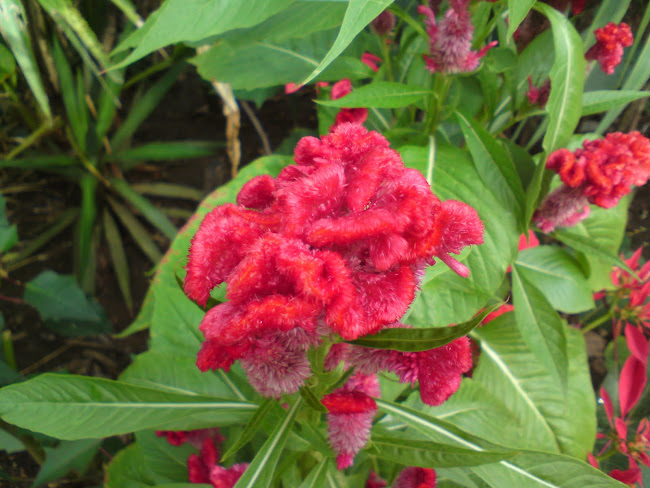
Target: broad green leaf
[(68, 455), (359, 14), (14, 30), (636, 80), (594, 102), (195, 20), (127, 470), (316, 477), (427, 454), (8, 232), (143, 107), (78, 407), (558, 276), (63, 305), (148, 210), (118, 257), (403, 339), (542, 418), (567, 80), (269, 63), (448, 298), (165, 463), (262, 467), (380, 94), (492, 163), (9, 443), (517, 11), (528, 469), (541, 327)]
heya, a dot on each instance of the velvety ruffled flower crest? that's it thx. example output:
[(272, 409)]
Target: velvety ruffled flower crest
[(610, 41)]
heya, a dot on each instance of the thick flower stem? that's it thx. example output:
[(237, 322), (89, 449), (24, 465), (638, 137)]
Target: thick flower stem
[(600, 320), (441, 84)]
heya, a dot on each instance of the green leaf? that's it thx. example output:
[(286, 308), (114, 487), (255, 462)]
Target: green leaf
[(67, 456), (380, 94), (169, 190), (78, 407), (541, 417), (567, 80), (118, 257), (427, 454), (558, 276), (128, 9), (517, 12), (316, 477), (529, 469), (143, 107), (146, 208), (165, 463), (195, 20), (492, 163), (14, 30), (127, 469), (63, 306), (9, 443), (359, 14), (403, 339), (85, 252), (541, 327), (311, 399), (251, 427), (8, 232), (262, 467), (594, 102), (448, 298), (39, 162), (164, 151)]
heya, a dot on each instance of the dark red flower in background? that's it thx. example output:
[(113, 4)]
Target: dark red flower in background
[(610, 41), (413, 477)]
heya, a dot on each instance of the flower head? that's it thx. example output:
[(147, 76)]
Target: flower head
[(332, 245), (413, 477), (384, 23), (610, 41), (450, 40), (538, 96)]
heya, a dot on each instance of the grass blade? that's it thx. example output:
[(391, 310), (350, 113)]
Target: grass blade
[(169, 190), (118, 258), (137, 230)]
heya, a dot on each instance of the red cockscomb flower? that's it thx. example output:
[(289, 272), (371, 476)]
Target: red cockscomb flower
[(333, 244), (450, 41), (413, 477), (601, 172), (610, 41)]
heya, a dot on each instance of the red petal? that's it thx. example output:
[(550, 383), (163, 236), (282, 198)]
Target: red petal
[(349, 402), (631, 383), (607, 403), (637, 343)]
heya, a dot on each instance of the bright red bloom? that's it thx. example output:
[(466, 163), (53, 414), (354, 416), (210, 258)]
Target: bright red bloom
[(438, 371), (416, 478), (350, 413), (634, 372), (450, 41), (371, 61), (333, 244), (538, 96), (505, 308), (578, 6), (221, 477), (351, 115), (610, 41)]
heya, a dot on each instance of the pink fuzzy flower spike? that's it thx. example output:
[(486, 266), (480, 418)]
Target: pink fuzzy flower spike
[(450, 40), (349, 419), (416, 478), (610, 41)]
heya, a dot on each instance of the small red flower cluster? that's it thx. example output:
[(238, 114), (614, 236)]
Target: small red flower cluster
[(194, 437), (450, 41), (334, 244), (538, 96), (610, 41), (410, 477), (602, 172)]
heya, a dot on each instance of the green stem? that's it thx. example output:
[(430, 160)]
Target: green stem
[(600, 320), (385, 54), (441, 84)]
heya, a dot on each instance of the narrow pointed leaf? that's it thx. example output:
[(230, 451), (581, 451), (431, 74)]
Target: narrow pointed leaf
[(427, 454), (316, 477), (164, 151), (118, 257), (380, 94), (139, 233), (541, 327), (567, 80), (78, 407), (251, 427), (128, 9), (154, 215), (594, 102), (358, 15), (517, 11), (311, 399), (262, 468), (403, 339), (169, 190)]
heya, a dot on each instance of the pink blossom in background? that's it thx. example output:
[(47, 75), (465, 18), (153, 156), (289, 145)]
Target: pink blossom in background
[(374, 481), (450, 40), (578, 6), (347, 115), (610, 41), (601, 173), (371, 61), (538, 96), (349, 419), (334, 244), (413, 477), (221, 477)]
